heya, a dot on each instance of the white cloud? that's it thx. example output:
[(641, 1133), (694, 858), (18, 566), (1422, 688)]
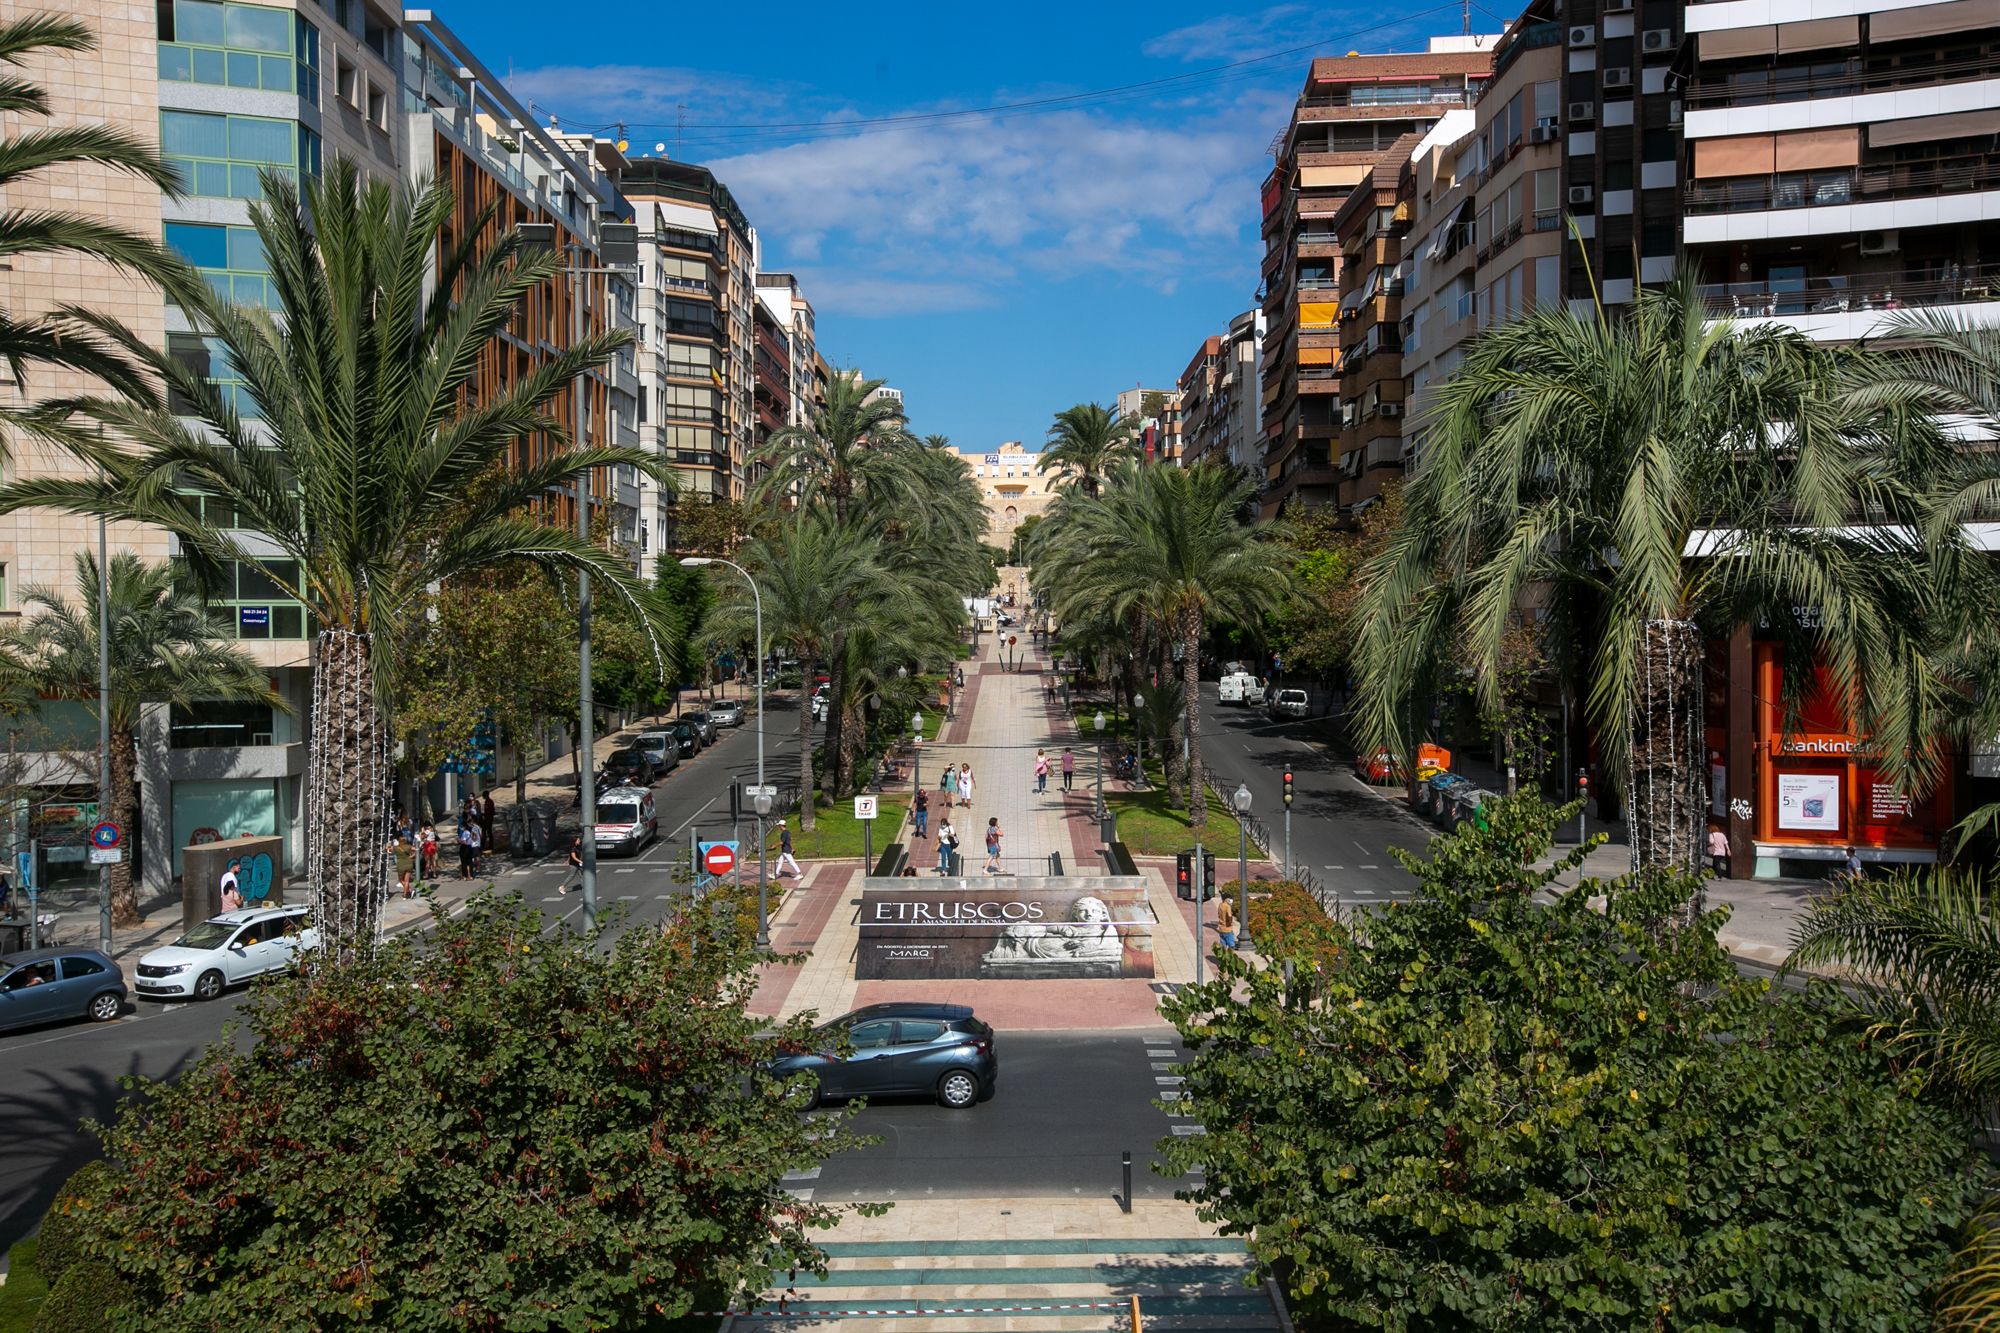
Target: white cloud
[(1234, 36), (867, 294)]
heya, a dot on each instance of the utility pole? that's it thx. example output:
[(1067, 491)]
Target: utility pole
[(104, 724)]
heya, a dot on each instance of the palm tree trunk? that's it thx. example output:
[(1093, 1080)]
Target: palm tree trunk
[(125, 812), (347, 861), (808, 666), (1666, 803), (1189, 625)]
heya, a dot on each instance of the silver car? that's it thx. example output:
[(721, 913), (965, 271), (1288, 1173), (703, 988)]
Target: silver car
[(726, 714)]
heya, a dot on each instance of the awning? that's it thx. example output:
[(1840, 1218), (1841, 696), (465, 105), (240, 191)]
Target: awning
[(1923, 129), (1809, 150), (1317, 178), (1318, 314), (687, 217), (1730, 43), (1897, 25), (1315, 356), (1819, 34), (1744, 155)]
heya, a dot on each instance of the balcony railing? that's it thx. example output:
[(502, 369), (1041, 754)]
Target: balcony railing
[(1430, 97), (1840, 293), (1761, 87), (1812, 189)]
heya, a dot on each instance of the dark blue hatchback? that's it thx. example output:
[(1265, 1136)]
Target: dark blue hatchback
[(931, 1050)]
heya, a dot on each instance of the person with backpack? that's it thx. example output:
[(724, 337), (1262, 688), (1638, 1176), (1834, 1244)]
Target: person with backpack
[(947, 845), (468, 845)]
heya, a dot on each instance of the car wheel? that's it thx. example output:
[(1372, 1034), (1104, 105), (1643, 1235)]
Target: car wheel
[(809, 1098), (104, 1008), (208, 985), (958, 1090)]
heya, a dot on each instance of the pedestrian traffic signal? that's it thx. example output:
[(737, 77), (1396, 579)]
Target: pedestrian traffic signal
[(1184, 874), (1207, 873), (1288, 786)]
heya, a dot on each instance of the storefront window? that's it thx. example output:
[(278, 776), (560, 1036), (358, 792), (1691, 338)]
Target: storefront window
[(216, 722)]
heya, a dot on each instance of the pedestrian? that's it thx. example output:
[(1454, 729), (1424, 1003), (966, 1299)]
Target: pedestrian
[(1041, 772), (406, 863), (965, 785), (574, 875), (230, 887), (468, 843), (961, 678), (948, 785), (1718, 851), (1852, 866), (1225, 921), (1068, 766), (947, 844), (993, 845), (427, 847), (486, 818), (785, 857), (923, 813)]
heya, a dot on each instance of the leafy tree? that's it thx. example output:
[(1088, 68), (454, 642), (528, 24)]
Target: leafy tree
[(485, 1126), (373, 466), (1486, 1111), (713, 527), (65, 338), (1084, 442), (1175, 545), (1575, 457), (163, 650)]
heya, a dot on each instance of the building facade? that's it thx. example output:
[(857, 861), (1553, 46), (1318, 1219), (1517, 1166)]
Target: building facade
[(1368, 368)]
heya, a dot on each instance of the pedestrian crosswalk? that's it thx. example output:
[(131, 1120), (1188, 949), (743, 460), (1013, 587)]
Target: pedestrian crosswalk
[(1057, 1285)]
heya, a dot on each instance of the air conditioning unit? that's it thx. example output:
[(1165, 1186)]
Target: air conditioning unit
[(1544, 134), (1880, 242), (1657, 39), (1583, 111), (1583, 34), (1582, 194), (1390, 409), (1674, 112), (1618, 76)]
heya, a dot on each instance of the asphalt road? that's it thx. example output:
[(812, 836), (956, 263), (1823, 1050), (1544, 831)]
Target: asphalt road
[(1342, 829)]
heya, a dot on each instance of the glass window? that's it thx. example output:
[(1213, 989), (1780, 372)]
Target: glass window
[(877, 1032), (200, 245), (222, 156), (80, 967), (214, 722), (191, 134), (911, 1033), (198, 21), (253, 584), (254, 140), (255, 28)]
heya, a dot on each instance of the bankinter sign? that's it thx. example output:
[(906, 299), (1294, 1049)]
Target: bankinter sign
[(1098, 930)]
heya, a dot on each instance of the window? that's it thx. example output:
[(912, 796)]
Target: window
[(869, 1035), (72, 968), (214, 722), (307, 50), (910, 1033), (230, 258), (34, 974), (235, 45), (207, 358), (223, 156), (345, 80), (378, 107)]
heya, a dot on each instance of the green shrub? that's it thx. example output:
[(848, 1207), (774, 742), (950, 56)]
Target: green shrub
[(84, 1299), (21, 1295), (1286, 921), (62, 1230)]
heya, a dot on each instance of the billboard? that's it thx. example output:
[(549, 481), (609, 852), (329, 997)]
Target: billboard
[(999, 931)]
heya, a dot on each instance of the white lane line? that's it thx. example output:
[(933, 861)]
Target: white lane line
[(628, 897), (626, 870), (1184, 1131), (1169, 1080), (1364, 850), (1154, 1053), (1371, 867), (796, 1177), (1336, 867), (803, 1196), (1163, 1064)]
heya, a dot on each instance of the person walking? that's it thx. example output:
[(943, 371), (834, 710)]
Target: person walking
[(1068, 766), (922, 814), (948, 785), (406, 864), (427, 849), (486, 819), (1851, 867), (1718, 851), (1041, 772), (468, 844), (947, 844), (1225, 921), (785, 857), (965, 785), (573, 877), (993, 845)]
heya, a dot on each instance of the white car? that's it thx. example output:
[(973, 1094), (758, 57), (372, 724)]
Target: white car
[(627, 820), (1253, 690), (1289, 703), (225, 951)]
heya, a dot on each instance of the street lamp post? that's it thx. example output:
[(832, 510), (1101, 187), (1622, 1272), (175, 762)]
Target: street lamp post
[(1242, 802), (1097, 724), (762, 800), (916, 757), (1138, 736)]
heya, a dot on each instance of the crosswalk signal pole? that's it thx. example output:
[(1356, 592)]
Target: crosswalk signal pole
[(1290, 869)]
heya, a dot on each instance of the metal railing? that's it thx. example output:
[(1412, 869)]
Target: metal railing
[(1842, 292), (1813, 189), (1328, 900), (1762, 87)]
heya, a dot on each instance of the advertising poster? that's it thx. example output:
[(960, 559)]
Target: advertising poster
[(1005, 932), (1809, 802)]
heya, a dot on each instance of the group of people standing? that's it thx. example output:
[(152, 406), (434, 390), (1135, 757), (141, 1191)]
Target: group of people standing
[(415, 848)]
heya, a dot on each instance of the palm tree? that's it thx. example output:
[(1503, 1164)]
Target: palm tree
[(58, 339), (1652, 480), (852, 444), (1176, 545), (163, 650), (363, 457), (940, 443), (1084, 442)]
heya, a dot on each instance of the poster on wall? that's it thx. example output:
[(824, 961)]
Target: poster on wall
[(1809, 802), (1005, 932)]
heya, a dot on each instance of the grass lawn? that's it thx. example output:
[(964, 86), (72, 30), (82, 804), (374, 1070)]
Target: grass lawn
[(1148, 827), (838, 832), (21, 1297)]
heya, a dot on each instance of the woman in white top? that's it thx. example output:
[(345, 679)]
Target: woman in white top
[(965, 784)]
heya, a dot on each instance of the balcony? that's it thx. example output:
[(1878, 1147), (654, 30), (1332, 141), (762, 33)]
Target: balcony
[(1851, 292), (1318, 379), (1846, 185), (1807, 83)]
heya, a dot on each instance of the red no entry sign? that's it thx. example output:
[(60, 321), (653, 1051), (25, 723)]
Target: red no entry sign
[(718, 860)]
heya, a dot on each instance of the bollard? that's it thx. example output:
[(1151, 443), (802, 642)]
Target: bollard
[(1137, 1327), (1125, 1199)]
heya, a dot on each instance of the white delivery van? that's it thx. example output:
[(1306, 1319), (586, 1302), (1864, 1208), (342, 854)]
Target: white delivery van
[(1253, 691), (1230, 688)]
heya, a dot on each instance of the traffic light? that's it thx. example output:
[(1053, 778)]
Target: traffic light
[(1207, 873), (1184, 874), (1288, 786)]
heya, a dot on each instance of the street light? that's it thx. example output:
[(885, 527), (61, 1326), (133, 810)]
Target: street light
[(762, 800), (1139, 702), (1097, 724), (1241, 799), (916, 757)]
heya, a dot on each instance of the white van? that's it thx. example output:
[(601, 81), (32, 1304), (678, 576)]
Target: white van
[(626, 820), (1253, 691), (1230, 688)]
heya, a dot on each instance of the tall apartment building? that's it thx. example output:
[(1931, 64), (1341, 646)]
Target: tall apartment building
[(1218, 391), (795, 315), (1370, 229), (773, 393), (1351, 110), (230, 89), (1842, 164)]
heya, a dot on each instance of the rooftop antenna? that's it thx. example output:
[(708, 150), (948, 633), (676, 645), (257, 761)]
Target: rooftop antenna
[(1465, 10)]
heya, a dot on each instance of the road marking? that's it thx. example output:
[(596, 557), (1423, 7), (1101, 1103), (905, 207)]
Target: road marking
[(628, 897), (1364, 850), (1184, 1131), (1163, 1064), (806, 1196), (1371, 867), (1336, 867), (1169, 1079), (792, 1177), (626, 870)]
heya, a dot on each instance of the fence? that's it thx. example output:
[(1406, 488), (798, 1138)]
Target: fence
[(1327, 899)]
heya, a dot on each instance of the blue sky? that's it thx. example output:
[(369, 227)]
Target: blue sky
[(996, 269)]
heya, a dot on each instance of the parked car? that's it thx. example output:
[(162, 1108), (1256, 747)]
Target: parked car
[(628, 765), (702, 722), (939, 1050), (627, 820), (226, 950), (688, 737), (1253, 691), (49, 985), (727, 714), (1289, 703), (660, 748)]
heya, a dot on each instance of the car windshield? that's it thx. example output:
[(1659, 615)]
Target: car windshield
[(207, 935), (684, 730), (617, 812)]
